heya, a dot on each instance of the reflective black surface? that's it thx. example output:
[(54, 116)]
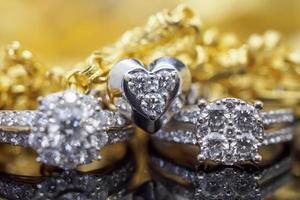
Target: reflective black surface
[(222, 182), (68, 185), (169, 181)]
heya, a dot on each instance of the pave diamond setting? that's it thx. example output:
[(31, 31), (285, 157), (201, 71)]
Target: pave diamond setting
[(67, 130), (151, 92), (229, 131)]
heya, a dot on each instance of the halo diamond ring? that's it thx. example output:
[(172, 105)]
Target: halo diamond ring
[(67, 129)]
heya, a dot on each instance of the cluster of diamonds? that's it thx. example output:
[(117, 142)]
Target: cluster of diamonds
[(68, 129), (278, 116), (152, 90), (229, 131), (16, 118)]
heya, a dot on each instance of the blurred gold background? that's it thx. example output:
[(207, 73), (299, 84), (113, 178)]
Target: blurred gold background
[(65, 32)]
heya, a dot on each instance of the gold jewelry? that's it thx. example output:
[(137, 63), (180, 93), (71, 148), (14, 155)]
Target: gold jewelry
[(262, 67), (23, 78)]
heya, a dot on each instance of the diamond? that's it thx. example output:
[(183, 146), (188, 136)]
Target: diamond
[(137, 81), (214, 146), (244, 117), (66, 134), (217, 117), (244, 146), (167, 79), (152, 83), (152, 89), (229, 130), (70, 96), (152, 104)]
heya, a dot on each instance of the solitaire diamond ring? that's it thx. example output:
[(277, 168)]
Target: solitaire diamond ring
[(68, 129), (230, 131), (149, 96)]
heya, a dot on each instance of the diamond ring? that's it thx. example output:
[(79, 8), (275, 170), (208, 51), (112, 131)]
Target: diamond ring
[(68, 129), (221, 183), (145, 95), (230, 131)]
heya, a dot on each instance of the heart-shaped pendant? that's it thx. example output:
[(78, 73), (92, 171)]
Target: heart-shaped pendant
[(149, 92)]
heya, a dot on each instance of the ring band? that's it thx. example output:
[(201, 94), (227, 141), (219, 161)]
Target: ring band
[(188, 137), (269, 117), (230, 131), (68, 129)]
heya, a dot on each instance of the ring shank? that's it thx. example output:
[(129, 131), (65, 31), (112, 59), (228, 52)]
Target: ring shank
[(189, 137), (278, 116), (15, 128), (191, 113)]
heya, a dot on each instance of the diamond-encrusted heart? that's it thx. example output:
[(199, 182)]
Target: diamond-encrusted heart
[(151, 92)]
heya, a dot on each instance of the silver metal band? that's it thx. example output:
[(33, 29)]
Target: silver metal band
[(278, 116), (17, 118), (21, 119), (21, 139), (15, 127), (191, 113), (189, 137)]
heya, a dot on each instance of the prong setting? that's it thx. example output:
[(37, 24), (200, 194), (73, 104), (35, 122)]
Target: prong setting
[(202, 103), (230, 131), (259, 105), (66, 131)]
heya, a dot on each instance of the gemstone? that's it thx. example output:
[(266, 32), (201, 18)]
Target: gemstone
[(217, 117), (152, 90), (245, 118), (152, 83), (167, 79), (214, 146), (229, 130), (137, 82), (244, 146), (153, 104), (66, 135)]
